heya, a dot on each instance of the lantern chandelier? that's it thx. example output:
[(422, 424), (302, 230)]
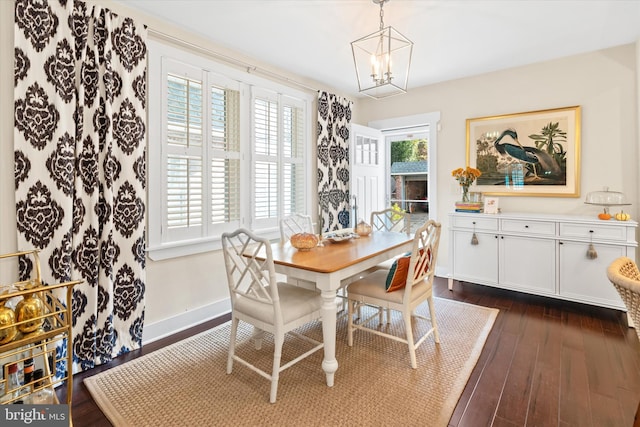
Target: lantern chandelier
[(382, 60)]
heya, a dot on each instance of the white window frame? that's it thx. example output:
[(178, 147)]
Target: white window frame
[(160, 245)]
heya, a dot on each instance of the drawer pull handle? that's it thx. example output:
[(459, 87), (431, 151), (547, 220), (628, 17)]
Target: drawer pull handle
[(526, 226)]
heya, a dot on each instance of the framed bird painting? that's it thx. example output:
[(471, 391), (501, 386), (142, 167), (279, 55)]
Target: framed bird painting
[(535, 153)]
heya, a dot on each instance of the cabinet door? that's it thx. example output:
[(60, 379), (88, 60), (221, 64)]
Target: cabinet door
[(585, 280), (475, 263), (528, 264)]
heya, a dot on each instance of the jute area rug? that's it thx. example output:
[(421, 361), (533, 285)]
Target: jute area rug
[(186, 384)]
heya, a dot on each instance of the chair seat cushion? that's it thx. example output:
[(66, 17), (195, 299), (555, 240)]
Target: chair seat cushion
[(374, 286), (295, 302)]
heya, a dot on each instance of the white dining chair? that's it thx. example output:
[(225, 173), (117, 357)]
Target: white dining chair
[(389, 220), (293, 224), (259, 299), (403, 288)]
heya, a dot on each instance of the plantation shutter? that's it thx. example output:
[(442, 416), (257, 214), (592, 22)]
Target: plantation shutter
[(265, 160), (225, 161), (202, 162), (293, 156), (184, 160)]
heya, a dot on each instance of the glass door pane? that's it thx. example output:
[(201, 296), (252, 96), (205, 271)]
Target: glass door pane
[(409, 166)]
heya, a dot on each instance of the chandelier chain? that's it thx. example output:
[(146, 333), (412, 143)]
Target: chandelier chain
[(381, 15)]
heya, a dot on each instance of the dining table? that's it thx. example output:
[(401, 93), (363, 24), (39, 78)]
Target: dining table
[(329, 265)]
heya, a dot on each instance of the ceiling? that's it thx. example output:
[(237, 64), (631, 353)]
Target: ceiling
[(452, 38)]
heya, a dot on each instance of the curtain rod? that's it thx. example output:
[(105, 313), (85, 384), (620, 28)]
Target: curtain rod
[(250, 68)]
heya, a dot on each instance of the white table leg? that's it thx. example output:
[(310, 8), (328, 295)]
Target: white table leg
[(450, 283), (329, 312)]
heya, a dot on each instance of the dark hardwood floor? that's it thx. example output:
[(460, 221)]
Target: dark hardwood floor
[(546, 363)]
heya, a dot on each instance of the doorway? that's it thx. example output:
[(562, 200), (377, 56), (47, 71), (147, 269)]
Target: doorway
[(409, 174), (419, 182), (408, 163)]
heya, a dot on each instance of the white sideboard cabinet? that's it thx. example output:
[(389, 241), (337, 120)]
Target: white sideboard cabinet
[(540, 254)]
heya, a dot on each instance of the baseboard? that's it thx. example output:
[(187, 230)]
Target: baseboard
[(186, 320)]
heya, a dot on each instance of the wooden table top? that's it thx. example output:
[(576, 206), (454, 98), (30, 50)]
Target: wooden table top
[(335, 256)]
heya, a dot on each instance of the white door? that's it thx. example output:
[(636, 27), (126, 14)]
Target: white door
[(368, 171)]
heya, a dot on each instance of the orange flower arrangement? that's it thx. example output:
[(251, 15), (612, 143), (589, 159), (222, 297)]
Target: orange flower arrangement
[(465, 177)]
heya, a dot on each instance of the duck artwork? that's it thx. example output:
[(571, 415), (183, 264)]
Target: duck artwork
[(542, 163)]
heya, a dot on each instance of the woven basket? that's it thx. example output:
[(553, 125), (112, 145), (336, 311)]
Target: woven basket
[(625, 276)]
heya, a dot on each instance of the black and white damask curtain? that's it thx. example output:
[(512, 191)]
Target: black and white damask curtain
[(334, 116), (79, 140)]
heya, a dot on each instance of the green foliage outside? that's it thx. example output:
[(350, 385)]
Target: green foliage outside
[(409, 151)]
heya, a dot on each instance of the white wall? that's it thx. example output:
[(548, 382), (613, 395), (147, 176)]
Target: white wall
[(187, 290), (603, 83)]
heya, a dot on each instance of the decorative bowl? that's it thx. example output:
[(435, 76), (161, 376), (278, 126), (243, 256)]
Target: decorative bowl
[(363, 229), (340, 236), (304, 241)]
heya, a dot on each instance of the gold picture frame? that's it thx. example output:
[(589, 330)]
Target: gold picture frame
[(534, 153)]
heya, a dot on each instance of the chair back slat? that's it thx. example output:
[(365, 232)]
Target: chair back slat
[(391, 220), (294, 224), (425, 251), (248, 276)]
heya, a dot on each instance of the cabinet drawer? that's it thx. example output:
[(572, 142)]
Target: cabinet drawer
[(480, 222), (540, 228), (599, 232)]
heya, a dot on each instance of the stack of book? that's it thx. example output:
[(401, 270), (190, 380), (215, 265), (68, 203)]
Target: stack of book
[(475, 207)]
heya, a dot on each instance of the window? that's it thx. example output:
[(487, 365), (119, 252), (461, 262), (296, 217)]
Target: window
[(278, 134), (223, 152), (366, 150)]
